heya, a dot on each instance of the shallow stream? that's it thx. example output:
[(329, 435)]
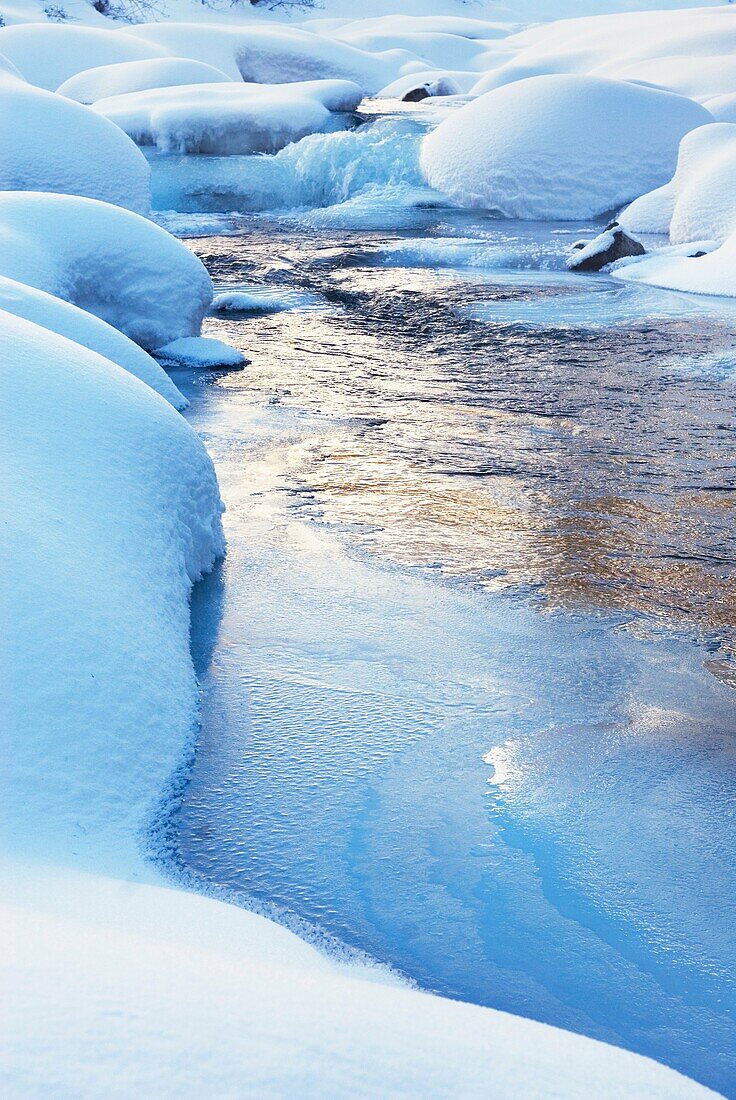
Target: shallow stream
[(468, 669)]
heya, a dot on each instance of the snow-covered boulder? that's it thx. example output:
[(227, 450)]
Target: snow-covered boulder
[(111, 511), (47, 54), (89, 331), (699, 203), (138, 76), (710, 273), (231, 118), (106, 260), (269, 53), (608, 247), (558, 146), (48, 143), (435, 82)]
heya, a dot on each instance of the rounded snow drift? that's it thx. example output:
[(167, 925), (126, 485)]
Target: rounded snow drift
[(559, 147)]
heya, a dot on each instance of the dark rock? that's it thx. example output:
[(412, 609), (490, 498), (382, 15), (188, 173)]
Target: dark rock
[(415, 95), (611, 245)]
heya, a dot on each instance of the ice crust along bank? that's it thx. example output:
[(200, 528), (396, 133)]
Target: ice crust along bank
[(108, 485)]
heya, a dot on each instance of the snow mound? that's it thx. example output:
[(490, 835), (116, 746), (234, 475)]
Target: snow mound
[(48, 143), (47, 54), (558, 147), (106, 260), (7, 68), (138, 76), (722, 107), (699, 203), (269, 54), (112, 512), (437, 82), (86, 329), (230, 119), (713, 273), (270, 1018), (202, 352)]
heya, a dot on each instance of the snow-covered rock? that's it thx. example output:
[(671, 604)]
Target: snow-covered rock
[(47, 54), (713, 273), (608, 247), (106, 260), (48, 143), (201, 352), (111, 511), (268, 54), (435, 82), (558, 146), (86, 329), (230, 118), (138, 76), (699, 203)]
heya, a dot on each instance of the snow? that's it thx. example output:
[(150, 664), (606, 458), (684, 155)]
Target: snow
[(259, 299), (713, 274), (438, 82), (48, 143), (86, 329), (202, 352), (699, 202), (47, 54), (229, 119), (722, 107), (138, 76), (268, 54), (558, 147), (112, 511), (106, 260)]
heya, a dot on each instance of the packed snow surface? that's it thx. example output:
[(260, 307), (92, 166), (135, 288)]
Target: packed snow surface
[(104, 482), (228, 119), (699, 203), (48, 143), (713, 273), (47, 54), (106, 260), (559, 147), (90, 331), (138, 76)]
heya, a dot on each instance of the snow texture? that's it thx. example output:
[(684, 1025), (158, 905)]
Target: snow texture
[(228, 119), (48, 143), (714, 273), (86, 329), (112, 511), (106, 260), (138, 76), (699, 203), (558, 147), (201, 351), (47, 54)]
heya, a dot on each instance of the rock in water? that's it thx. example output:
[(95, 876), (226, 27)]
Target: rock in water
[(610, 245), (415, 95)]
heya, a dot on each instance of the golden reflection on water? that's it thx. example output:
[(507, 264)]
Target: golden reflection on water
[(575, 466)]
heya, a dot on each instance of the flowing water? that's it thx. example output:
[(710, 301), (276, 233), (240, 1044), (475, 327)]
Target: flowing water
[(468, 669)]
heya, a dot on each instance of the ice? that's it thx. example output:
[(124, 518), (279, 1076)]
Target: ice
[(260, 299), (106, 260), (48, 143), (137, 76), (517, 150)]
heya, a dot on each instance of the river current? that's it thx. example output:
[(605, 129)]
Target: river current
[(468, 668)]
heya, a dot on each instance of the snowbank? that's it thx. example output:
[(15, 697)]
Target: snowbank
[(106, 260), (112, 511), (86, 329), (138, 76), (47, 54), (713, 273), (267, 54), (48, 143), (722, 107), (226, 119), (143, 991), (688, 51), (558, 146), (699, 203)]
